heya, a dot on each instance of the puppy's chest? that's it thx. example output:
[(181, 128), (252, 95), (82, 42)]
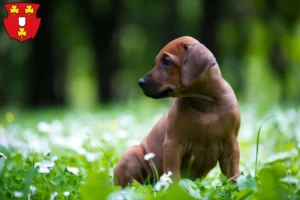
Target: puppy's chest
[(198, 148), (201, 130), (203, 154)]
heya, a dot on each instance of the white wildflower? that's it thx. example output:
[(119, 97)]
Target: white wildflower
[(66, 193), (54, 128), (164, 182), (73, 170), (162, 185), (53, 195), (44, 127), (166, 177), (18, 194), (44, 166), (32, 189), (44, 170), (45, 163), (91, 157), (149, 156)]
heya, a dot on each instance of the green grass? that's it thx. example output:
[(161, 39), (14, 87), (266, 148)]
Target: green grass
[(81, 148)]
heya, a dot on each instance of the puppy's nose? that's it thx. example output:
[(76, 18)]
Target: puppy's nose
[(142, 82)]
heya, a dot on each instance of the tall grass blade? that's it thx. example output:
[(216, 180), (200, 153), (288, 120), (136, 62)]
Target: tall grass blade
[(257, 143)]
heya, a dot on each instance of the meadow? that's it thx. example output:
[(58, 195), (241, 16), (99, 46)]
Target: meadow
[(70, 154)]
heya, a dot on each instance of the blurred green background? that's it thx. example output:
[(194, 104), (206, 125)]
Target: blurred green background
[(88, 56), (92, 53)]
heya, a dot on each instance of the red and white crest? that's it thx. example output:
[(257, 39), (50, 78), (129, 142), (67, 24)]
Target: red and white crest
[(21, 22)]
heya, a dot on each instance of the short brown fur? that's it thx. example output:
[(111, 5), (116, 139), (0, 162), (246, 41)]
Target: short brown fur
[(201, 126)]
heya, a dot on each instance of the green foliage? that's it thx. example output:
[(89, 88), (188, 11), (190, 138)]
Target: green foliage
[(84, 146), (243, 35)]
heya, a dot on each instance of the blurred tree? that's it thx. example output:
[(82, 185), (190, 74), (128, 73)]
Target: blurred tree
[(3, 72), (42, 78), (103, 28), (209, 24), (282, 18), (170, 21)]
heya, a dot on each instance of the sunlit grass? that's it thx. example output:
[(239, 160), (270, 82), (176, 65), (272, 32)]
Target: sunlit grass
[(68, 154)]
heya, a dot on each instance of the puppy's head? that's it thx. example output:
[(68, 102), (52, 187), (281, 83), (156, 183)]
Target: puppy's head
[(178, 65)]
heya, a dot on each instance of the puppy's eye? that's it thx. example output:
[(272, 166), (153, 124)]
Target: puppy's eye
[(166, 61)]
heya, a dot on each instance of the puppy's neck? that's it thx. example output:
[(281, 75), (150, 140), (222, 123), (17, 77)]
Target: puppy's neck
[(202, 104), (205, 93)]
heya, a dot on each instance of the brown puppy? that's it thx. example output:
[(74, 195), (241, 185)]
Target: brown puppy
[(200, 128)]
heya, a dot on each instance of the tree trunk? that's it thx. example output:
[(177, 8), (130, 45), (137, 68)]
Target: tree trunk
[(209, 24), (105, 44), (171, 21), (42, 76)]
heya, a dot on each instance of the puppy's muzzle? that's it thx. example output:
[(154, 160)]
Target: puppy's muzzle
[(152, 89)]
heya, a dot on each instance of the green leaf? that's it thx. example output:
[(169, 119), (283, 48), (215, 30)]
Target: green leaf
[(290, 180), (282, 156), (127, 193), (223, 178), (28, 179), (246, 183), (97, 186), (136, 184), (243, 195), (176, 191), (191, 187)]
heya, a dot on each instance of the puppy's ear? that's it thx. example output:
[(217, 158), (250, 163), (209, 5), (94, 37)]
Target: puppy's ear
[(196, 61)]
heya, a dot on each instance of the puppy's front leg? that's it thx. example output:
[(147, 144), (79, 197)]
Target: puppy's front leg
[(229, 161), (172, 157)]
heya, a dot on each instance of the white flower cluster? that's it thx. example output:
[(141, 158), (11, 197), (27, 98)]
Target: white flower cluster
[(18, 194), (55, 194), (164, 182), (149, 156), (73, 170), (44, 166), (51, 128), (66, 193)]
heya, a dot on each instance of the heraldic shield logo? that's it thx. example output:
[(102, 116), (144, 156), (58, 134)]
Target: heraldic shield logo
[(21, 22)]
